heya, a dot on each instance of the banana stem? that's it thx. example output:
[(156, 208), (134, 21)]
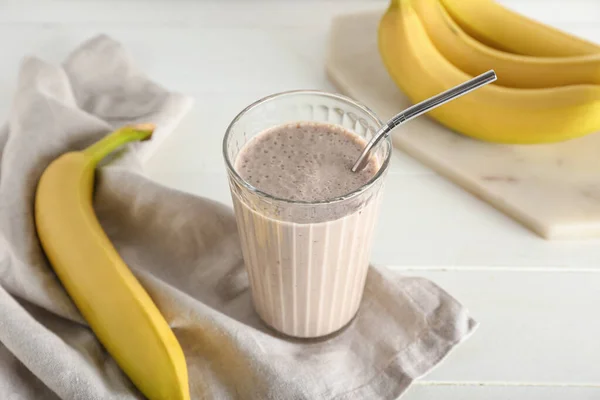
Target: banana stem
[(114, 140)]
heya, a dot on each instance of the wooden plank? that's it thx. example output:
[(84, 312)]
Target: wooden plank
[(213, 13), (479, 392), (535, 327), (241, 13)]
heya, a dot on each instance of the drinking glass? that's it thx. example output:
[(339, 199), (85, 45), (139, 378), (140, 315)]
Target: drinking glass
[(307, 262)]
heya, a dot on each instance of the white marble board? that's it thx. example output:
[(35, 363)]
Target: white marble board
[(553, 189)]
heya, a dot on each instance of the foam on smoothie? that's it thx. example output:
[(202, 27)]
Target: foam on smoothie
[(306, 161)]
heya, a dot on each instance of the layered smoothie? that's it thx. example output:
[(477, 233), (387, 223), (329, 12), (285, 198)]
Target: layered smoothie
[(307, 276)]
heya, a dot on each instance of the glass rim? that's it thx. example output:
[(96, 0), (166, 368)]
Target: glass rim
[(354, 193)]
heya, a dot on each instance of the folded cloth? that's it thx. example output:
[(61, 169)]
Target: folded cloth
[(185, 251)]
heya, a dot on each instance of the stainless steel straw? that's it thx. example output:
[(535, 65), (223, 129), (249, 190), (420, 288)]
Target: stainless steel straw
[(421, 108)]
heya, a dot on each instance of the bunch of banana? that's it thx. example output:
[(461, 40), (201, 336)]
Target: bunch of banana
[(548, 86), (116, 306)]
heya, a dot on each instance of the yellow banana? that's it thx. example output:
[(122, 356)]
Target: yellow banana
[(513, 70), (492, 113), (503, 29), (107, 294)]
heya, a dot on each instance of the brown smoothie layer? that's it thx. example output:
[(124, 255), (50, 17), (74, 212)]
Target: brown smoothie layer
[(306, 161)]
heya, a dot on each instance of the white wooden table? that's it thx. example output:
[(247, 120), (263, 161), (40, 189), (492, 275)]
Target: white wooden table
[(537, 301)]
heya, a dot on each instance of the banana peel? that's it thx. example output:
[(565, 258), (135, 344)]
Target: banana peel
[(117, 308), (501, 28), (493, 113), (513, 70)]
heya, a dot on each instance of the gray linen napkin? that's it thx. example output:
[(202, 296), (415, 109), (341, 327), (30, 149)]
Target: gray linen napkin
[(185, 251)]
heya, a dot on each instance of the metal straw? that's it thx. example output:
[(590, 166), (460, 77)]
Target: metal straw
[(421, 108)]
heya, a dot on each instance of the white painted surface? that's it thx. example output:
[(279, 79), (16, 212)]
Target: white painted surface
[(485, 392), (536, 327), (536, 300)]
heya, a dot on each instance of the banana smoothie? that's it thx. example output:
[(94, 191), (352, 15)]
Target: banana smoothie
[(307, 276)]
